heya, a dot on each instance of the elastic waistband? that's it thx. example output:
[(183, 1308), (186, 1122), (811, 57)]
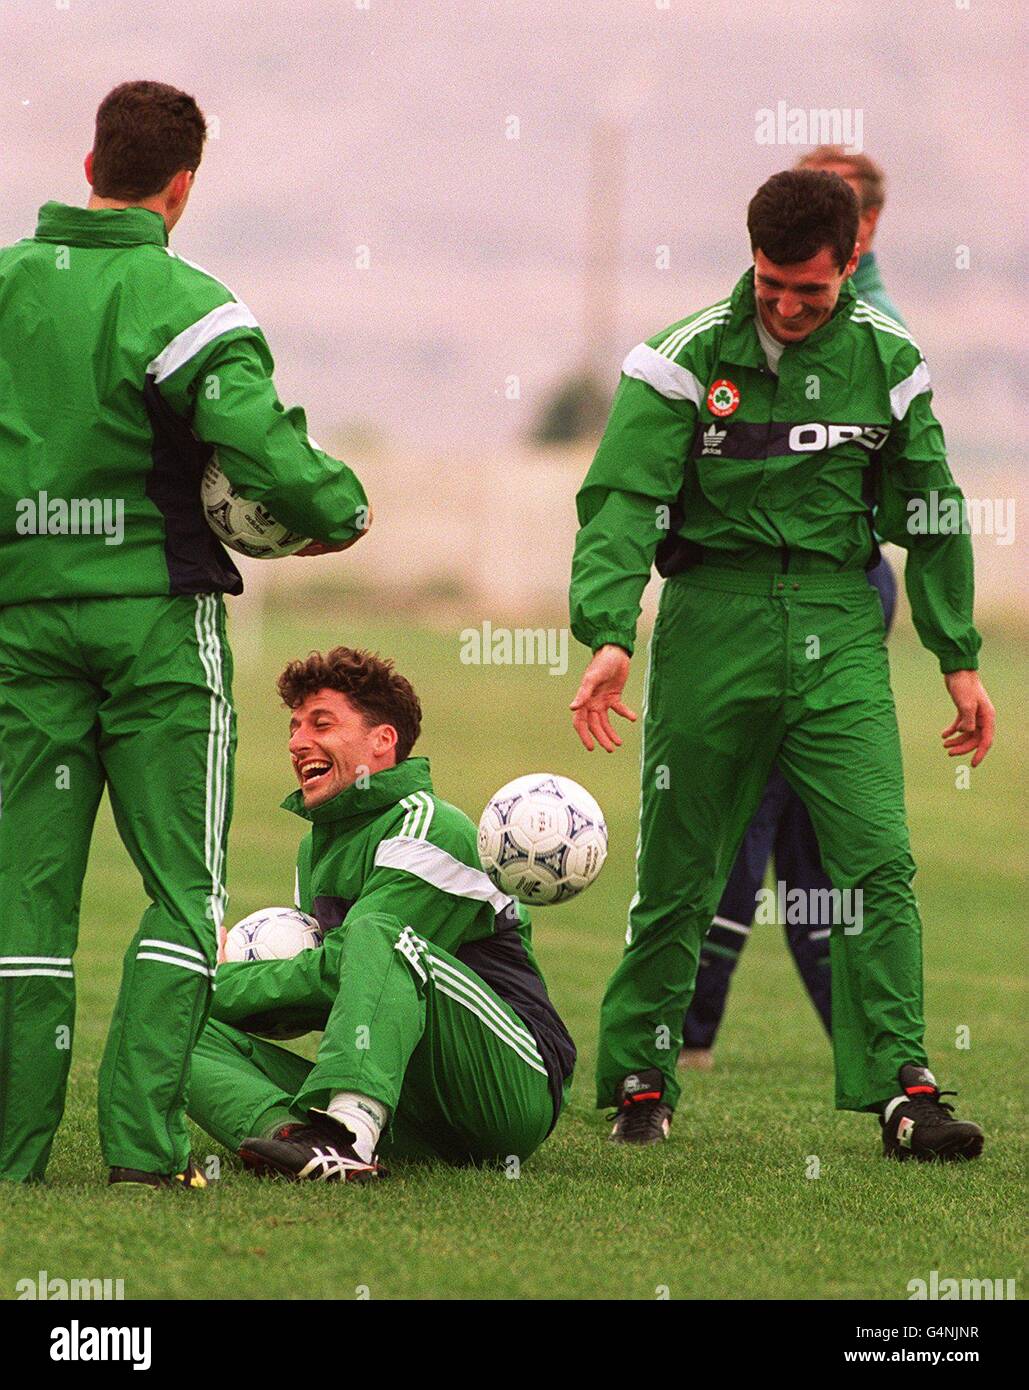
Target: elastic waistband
[(729, 581)]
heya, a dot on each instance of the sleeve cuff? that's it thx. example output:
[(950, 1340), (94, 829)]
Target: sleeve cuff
[(611, 639), (950, 664)]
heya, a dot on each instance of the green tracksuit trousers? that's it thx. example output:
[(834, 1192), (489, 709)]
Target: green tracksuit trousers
[(134, 694), (405, 1024), (746, 669)]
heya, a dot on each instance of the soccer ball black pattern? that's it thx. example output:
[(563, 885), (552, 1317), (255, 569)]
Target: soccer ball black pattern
[(542, 838)]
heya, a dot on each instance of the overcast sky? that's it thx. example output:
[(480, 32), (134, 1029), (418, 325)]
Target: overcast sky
[(385, 124)]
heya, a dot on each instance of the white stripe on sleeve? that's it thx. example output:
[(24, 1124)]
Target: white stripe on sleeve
[(440, 869), (196, 337), (905, 392), (677, 383)]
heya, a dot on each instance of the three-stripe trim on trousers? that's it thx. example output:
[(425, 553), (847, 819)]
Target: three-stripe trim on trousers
[(173, 954), (470, 995), (218, 744)]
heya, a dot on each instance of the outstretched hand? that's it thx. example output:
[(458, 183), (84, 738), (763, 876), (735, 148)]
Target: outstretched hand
[(976, 718), (599, 693)]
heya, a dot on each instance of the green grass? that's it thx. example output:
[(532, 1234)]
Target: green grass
[(724, 1210)]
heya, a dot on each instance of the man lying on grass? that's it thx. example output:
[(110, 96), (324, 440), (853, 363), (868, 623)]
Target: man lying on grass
[(440, 1040)]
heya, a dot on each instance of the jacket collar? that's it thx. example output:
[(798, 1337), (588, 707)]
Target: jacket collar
[(740, 343), (383, 789), (100, 226)]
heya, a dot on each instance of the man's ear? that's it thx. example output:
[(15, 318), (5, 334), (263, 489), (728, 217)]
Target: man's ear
[(385, 739), (851, 266), (177, 187), (87, 164), (869, 219)]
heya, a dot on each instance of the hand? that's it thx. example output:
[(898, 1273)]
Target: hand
[(601, 691), (974, 725), (324, 547)]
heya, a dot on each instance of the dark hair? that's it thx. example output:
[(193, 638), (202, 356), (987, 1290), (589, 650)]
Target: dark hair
[(369, 682), (145, 133), (865, 170), (795, 213)]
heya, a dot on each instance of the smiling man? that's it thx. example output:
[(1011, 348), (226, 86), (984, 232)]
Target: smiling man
[(747, 448), (440, 1040), (781, 831)]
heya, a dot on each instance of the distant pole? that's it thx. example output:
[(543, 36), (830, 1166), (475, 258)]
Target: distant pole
[(603, 233)]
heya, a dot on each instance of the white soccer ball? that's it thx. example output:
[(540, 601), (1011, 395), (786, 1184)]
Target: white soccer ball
[(542, 838), (274, 933), (244, 526)]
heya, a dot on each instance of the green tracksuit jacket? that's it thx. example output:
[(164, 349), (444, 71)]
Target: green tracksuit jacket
[(755, 494), (762, 465), (426, 986), (121, 366)]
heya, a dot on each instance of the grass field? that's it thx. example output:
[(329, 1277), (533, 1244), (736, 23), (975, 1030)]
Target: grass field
[(724, 1210)]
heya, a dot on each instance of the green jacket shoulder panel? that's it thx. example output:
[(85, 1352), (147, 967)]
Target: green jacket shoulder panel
[(677, 361), (424, 816), (699, 328), (888, 340), (198, 315)]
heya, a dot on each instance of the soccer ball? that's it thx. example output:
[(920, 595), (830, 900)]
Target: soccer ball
[(244, 526), (274, 933), (542, 838)]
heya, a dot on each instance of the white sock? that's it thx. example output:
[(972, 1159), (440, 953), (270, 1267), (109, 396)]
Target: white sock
[(364, 1117)]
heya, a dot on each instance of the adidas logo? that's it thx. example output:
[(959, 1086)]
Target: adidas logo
[(713, 440)]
